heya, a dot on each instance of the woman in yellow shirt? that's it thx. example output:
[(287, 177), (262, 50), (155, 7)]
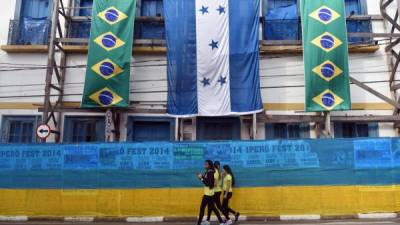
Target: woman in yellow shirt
[(208, 197), (217, 190), (228, 184)]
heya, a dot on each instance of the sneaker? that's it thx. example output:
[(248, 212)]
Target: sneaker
[(229, 222), (206, 222), (222, 224), (237, 217)]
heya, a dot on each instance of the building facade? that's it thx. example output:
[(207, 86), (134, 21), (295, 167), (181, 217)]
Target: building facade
[(23, 64)]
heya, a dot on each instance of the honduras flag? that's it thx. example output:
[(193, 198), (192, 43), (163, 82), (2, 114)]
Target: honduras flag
[(213, 57)]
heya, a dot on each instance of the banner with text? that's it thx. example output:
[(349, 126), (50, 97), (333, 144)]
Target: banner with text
[(174, 165), (109, 57), (325, 55)]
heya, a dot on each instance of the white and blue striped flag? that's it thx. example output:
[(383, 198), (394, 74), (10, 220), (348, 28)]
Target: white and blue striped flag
[(213, 57)]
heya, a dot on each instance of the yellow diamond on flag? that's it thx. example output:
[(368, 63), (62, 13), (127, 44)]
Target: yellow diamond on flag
[(112, 15), (327, 70), (328, 100), (105, 97), (108, 41), (327, 42), (107, 69), (325, 15)]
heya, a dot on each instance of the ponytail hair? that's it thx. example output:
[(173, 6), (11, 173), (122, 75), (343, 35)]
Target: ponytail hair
[(217, 165), (229, 171)]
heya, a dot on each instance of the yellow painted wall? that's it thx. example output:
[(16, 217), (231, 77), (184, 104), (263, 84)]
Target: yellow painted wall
[(265, 201)]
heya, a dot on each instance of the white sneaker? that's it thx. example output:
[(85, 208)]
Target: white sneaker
[(206, 222), (229, 222)]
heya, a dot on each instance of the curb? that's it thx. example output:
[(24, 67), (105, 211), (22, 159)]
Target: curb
[(79, 219), (299, 217), (160, 219), (14, 218), (377, 215), (144, 219)]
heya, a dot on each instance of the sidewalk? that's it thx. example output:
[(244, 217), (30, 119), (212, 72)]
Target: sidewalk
[(315, 222)]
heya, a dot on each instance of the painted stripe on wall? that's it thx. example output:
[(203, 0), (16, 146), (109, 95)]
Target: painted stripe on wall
[(136, 179), (272, 201)]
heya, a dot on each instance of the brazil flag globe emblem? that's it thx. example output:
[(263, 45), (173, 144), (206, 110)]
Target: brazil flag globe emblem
[(327, 42), (107, 69), (327, 70), (112, 15), (106, 97), (109, 41), (328, 100), (325, 15)]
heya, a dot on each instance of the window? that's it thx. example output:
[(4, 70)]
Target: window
[(151, 129), (287, 131), (84, 129), (19, 129), (85, 7), (218, 128), (355, 130), (150, 30), (143, 29), (31, 24), (81, 29), (356, 8), (282, 20)]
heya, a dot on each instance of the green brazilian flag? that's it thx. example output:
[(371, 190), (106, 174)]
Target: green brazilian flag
[(325, 55), (109, 57)]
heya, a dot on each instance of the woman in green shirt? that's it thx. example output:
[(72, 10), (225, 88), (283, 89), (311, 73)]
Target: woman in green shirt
[(228, 184)]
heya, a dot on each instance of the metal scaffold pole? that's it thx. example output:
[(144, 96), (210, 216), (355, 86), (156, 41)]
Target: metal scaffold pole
[(391, 18), (57, 68)]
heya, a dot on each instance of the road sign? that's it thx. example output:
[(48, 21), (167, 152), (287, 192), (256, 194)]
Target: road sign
[(43, 131)]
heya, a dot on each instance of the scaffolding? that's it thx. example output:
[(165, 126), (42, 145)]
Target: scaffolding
[(61, 43), (393, 24)]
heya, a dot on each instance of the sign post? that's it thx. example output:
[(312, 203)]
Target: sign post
[(109, 122)]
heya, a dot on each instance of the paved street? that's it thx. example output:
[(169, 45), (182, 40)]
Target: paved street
[(342, 222)]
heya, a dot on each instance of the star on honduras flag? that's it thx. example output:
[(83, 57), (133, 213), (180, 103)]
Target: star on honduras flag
[(213, 64)]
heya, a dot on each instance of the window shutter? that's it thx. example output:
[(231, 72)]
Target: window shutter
[(338, 129), (373, 130), (304, 130), (100, 130)]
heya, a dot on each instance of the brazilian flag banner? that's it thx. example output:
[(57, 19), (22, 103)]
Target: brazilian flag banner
[(325, 55), (110, 52)]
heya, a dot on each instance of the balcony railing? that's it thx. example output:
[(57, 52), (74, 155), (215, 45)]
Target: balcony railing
[(143, 29), (289, 30), (29, 31)]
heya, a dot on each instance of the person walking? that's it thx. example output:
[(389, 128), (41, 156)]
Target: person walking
[(208, 198), (228, 184), (217, 191)]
